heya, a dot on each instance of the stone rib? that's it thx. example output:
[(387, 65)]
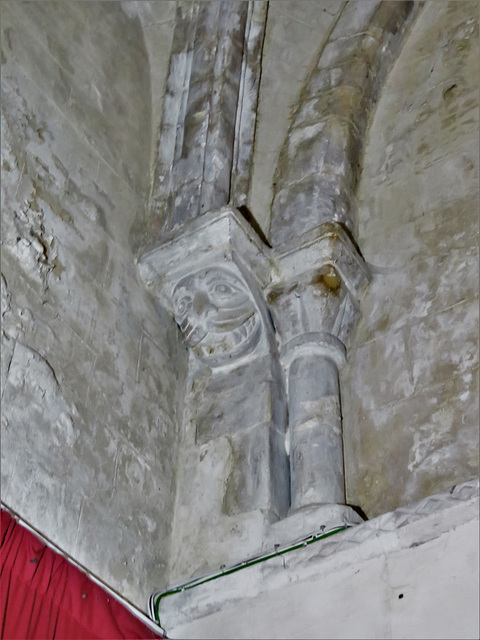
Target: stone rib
[(326, 137), (195, 151), (248, 102)]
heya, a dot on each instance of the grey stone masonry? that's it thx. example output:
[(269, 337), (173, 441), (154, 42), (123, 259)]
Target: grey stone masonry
[(248, 102), (265, 327), (242, 471), (314, 309), (319, 166), (321, 273)]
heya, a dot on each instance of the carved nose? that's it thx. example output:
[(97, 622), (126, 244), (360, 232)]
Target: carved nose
[(201, 303)]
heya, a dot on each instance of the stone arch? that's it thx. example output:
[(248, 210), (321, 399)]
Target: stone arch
[(202, 153)]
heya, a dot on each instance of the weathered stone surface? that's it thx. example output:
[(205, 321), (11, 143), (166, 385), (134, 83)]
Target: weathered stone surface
[(315, 425), (217, 315), (214, 291), (314, 299), (251, 390), (246, 116), (92, 377), (77, 82), (259, 478), (115, 442), (317, 284), (315, 389), (206, 526), (295, 33), (413, 429), (211, 276)]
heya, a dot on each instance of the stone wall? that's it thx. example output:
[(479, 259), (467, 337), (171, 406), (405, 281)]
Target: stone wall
[(93, 370), (410, 391), (92, 373)]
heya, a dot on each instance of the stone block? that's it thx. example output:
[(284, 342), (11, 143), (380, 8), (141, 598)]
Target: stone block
[(76, 172), (67, 78), (352, 73), (186, 204), (299, 208), (239, 400), (410, 446), (365, 44), (259, 478), (377, 390), (425, 286), (454, 334), (355, 18), (36, 477), (314, 392)]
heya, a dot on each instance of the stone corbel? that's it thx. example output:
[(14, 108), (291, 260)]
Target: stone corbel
[(313, 298), (210, 276)]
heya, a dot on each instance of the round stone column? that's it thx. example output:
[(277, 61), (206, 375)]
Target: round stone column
[(315, 424)]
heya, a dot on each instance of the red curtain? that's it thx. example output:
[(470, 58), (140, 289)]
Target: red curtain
[(43, 596)]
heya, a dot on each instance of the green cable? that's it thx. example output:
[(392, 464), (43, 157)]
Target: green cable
[(243, 565)]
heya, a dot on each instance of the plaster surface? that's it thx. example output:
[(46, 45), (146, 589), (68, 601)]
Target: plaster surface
[(438, 587)]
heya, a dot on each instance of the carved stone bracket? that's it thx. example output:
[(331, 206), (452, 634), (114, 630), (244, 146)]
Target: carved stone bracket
[(223, 286), (210, 276), (247, 311), (317, 286)]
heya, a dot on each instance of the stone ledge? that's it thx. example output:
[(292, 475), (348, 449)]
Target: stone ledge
[(403, 528)]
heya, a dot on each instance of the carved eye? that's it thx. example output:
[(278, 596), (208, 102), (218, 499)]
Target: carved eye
[(223, 289), (183, 306)]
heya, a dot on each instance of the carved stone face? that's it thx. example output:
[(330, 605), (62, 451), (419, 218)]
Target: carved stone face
[(217, 315)]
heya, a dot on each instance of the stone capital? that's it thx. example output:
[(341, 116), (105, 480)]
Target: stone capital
[(316, 287)]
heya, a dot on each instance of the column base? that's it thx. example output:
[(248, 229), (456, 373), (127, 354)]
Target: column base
[(307, 520)]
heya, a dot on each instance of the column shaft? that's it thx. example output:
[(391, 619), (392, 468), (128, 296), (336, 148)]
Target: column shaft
[(316, 449)]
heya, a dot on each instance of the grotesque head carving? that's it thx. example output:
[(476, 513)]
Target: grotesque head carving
[(217, 315)]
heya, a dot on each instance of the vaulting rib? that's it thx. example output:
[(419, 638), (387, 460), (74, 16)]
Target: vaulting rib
[(209, 110), (319, 166)]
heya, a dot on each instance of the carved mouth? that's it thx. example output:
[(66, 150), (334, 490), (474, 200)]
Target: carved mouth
[(245, 330), (193, 333), (233, 321), (222, 347)]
